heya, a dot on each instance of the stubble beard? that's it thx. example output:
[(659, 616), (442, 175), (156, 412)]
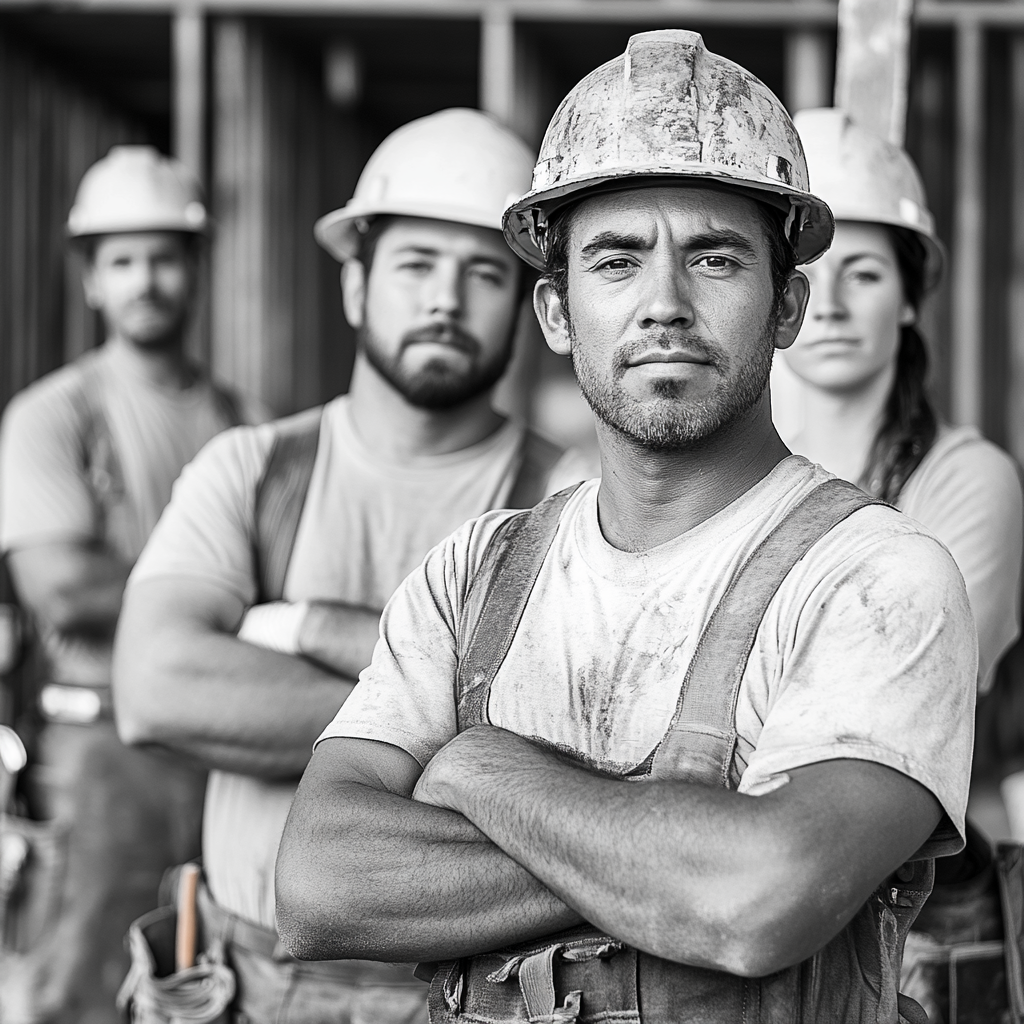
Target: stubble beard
[(435, 385), (675, 424)]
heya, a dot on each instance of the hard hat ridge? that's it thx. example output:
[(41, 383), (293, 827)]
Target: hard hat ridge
[(136, 188), (669, 109)]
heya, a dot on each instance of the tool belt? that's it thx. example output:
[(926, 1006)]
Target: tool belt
[(963, 959)]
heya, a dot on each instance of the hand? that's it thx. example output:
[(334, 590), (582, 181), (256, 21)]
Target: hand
[(474, 754)]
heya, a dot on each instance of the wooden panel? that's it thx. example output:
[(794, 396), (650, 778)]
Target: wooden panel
[(51, 130), (269, 134)]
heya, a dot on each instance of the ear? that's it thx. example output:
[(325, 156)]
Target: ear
[(93, 295), (908, 315), (552, 317), (794, 305), (353, 292)]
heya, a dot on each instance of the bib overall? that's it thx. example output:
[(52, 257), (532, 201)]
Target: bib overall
[(586, 976)]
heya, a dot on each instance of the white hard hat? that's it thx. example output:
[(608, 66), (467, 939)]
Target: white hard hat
[(865, 178), (134, 188), (459, 165), (669, 109)]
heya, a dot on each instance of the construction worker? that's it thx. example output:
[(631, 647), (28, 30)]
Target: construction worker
[(88, 455), (717, 704), (241, 665), (862, 363)]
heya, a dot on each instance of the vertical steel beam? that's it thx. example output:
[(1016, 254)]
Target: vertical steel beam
[(1015, 405), (808, 69), (969, 226), (497, 62), (189, 71)]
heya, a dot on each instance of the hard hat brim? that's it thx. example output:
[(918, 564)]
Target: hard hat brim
[(339, 232), (85, 231), (519, 220)]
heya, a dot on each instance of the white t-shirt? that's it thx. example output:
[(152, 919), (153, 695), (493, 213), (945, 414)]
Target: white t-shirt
[(968, 493), (366, 524), (46, 490), (866, 651)]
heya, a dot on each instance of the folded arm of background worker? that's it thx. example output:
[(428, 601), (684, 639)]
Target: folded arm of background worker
[(523, 843), (183, 679)]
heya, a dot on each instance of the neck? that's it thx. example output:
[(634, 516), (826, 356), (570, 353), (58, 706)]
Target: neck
[(648, 498), (163, 365), (399, 430), (839, 427)]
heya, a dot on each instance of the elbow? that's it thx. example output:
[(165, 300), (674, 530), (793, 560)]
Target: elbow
[(141, 693)]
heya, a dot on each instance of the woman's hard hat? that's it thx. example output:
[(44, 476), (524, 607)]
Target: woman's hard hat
[(865, 178), (668, 109), (457, 165), (135, 188)]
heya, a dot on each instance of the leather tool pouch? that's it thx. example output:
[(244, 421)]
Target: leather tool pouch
[(153, 992), (963, 960)]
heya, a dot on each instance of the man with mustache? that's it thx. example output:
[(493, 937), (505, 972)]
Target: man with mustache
[(240, 662), (88, 455), (678, 745)]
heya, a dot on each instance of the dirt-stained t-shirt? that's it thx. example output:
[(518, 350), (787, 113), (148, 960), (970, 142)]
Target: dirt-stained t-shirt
[(49, 491), (867, 650), (367, 522)]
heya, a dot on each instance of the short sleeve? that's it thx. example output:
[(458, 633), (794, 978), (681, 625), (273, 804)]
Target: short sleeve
[(406, 696), (970, 498), (206, 531), (44, 491), (877, 663)]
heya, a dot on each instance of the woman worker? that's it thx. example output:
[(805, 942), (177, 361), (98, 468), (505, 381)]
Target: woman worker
[(861, 365)]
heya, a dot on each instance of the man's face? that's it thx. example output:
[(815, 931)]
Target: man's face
[(436, 314), (143, 284), (671, 319)]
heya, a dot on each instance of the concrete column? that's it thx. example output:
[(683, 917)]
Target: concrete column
[(497, 62), (189, 86), (969, 224), (808, 80), (1015, 406)]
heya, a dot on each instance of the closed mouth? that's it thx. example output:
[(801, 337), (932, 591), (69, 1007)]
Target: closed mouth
[(667, 356)]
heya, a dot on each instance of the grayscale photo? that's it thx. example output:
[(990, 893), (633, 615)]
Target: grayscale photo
[(511, 511)]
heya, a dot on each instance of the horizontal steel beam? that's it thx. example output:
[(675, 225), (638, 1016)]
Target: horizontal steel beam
[(781, 13)]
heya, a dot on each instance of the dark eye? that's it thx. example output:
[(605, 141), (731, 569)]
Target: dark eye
[(491, 277), (415, 266), (716, 261), (616, 264), (865, 276)]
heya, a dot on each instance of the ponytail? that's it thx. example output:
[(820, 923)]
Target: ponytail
[(909, 425)]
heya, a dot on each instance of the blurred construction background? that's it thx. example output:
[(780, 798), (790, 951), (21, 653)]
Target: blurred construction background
[(277, 103)]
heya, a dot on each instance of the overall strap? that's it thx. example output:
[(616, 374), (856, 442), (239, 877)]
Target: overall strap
[(701, 739), (538, 457), (496, 599), (102, 462), (280, 497)]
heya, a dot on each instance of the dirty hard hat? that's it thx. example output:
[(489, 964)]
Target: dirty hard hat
[(135, 188), (667, 110), (458, 165), (865, 178)]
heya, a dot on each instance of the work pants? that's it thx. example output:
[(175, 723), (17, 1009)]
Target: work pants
[(131, 814), (275, 988)]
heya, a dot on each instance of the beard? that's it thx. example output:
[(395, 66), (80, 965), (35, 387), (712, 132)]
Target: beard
[(671, 422), (437, 384)]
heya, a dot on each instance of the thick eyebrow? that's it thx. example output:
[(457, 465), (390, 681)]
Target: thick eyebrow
[(614, 240), (426, 250), (636, 243)]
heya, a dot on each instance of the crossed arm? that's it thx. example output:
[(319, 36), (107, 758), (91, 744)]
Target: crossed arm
[(499, 841), (183, 680)]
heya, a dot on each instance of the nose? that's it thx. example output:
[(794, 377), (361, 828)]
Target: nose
[(666, 296), (826, 297), (444, 290)]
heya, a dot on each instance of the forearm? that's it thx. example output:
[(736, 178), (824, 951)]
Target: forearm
[(688, 872), (340, 637), (226, 703), (378, 876)]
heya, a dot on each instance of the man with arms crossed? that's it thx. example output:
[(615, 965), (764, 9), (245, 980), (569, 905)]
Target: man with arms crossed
[(411, 452), (723, 822), (88, 455)]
